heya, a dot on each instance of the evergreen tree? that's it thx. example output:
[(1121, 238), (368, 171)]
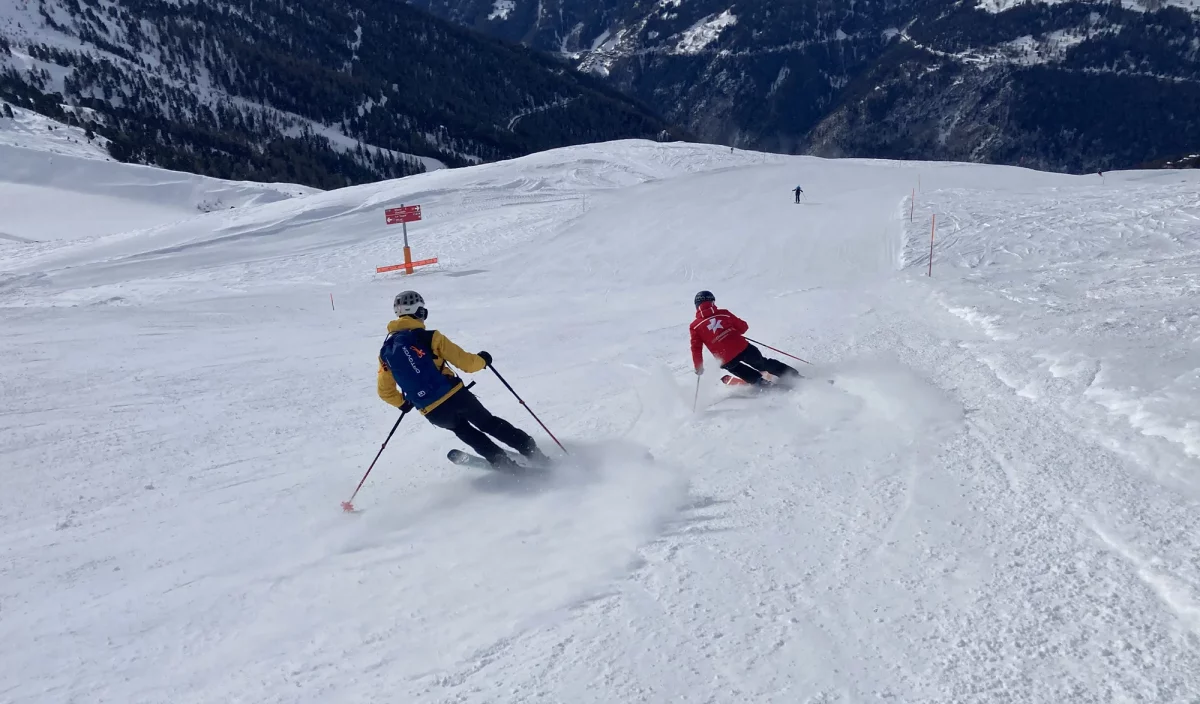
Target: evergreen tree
[(407, 97)]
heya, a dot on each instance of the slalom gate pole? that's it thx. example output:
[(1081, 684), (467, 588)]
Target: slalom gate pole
[(776, 349), (348, 506), (932, 231), (526, 405)]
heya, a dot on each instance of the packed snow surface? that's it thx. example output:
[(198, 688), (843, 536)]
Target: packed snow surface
[(52, 194), (996, 499)]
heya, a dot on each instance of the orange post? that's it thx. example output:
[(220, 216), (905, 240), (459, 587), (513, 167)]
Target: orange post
[(410, 265), (932, 229), (408, 269)]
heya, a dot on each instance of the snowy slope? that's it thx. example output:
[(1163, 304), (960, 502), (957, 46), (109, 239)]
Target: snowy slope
[(52, 192), (30, 130), (997, 499)]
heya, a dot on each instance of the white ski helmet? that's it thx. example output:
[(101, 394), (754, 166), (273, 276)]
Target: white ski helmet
[(410, 303)]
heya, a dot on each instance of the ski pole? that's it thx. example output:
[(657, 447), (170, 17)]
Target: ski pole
[(526, 405), (696, 398), (776, 349), (348, 506)]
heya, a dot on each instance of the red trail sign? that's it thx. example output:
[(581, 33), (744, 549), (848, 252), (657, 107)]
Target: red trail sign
[(405, 213)]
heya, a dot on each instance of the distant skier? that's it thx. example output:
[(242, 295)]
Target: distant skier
[(417, 361), (723, 333), (797, 190)]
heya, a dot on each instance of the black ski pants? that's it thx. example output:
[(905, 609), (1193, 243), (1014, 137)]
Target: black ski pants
[(463, 415), (750, 364)]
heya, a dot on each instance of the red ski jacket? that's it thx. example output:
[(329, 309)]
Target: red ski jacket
[(718, 330)]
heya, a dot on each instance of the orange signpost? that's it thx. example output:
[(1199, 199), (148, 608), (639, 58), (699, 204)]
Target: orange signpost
[(407, 265), (402, 216)]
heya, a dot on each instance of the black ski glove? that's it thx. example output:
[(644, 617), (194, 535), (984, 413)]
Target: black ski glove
[(406, 407), (487, 358)]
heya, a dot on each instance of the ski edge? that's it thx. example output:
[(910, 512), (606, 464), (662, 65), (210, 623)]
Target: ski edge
[(467, 459)]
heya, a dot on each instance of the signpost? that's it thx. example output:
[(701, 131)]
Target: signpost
[(402, 216)]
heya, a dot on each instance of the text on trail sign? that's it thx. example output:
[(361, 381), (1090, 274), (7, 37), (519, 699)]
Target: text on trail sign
[(405, 213)]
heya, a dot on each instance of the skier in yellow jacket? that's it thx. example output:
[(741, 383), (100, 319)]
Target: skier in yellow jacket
[(417, 361)]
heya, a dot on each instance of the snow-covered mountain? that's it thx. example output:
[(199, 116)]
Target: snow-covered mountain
[(998, 497), (325, 92), (1045, 84), (30, 130)]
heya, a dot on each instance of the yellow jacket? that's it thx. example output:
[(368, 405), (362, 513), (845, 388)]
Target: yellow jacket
[(444, 351)]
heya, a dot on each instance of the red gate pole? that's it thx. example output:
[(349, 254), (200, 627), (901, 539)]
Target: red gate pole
[(932, 229)]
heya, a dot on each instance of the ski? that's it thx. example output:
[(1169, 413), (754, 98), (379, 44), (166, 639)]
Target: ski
[(731, 380), (466, 459)]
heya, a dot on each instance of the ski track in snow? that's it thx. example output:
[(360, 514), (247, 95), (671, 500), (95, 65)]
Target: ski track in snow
[(997, 498)]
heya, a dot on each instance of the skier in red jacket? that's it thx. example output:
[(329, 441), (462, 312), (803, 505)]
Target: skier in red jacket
[(723, 333)]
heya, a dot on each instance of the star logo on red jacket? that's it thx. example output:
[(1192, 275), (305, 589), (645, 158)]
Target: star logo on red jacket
[(714, 325)]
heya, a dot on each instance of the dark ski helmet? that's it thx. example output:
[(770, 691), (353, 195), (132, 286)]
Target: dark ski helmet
[(410, 303), (704, 297)]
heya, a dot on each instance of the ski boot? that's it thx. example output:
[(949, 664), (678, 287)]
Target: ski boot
[(535, 455), (504, 463)]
